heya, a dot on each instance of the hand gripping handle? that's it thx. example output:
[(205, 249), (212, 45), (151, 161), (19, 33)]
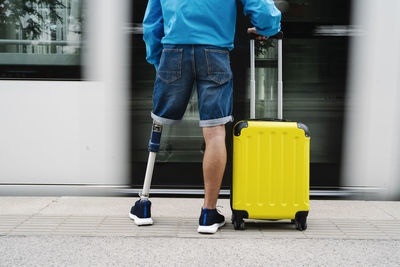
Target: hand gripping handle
[(278, 36)]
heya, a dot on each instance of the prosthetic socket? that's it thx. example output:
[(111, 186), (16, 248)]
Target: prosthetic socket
[(154, 147), (155, 139)]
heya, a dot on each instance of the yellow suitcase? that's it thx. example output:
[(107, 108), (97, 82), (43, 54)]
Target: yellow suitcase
[(270, 180), (271, 163)]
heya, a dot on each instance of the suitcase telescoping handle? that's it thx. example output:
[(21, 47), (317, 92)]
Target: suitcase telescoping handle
[(279, 37)]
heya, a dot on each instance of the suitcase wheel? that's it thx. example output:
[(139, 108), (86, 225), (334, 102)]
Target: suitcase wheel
[(301, 220), (301, 226), (238, 222), (238, 225)]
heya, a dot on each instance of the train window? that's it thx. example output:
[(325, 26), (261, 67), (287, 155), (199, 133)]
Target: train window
[(40, 39)]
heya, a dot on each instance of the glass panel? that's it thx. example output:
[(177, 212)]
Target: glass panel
[(314, 92), (266, 79), (41, 32), (178, 163)]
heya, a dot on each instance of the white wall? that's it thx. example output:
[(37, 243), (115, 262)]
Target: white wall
[(72, 132), (372, 143)]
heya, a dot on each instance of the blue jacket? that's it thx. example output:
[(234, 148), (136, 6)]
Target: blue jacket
[(207, 22)]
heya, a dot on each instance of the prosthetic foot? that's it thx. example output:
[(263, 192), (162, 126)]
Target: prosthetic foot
[(141, 211)]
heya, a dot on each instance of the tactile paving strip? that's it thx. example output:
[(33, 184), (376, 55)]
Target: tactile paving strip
[(184, 227)]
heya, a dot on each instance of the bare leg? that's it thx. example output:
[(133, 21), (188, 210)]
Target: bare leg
[(213, 164)]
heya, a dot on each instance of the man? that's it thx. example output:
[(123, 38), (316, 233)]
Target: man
[(188, 41)]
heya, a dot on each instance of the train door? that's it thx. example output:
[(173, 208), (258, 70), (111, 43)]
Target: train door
[(315, 73)]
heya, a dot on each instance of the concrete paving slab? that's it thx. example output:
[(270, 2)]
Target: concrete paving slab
[(392, 229), (88, 206), (6, 223), (389, 228), (327, 231), (10, 216), (24, 205), (390, 207), (322, 226), (347, 209), (322, 237), (42, 221), (33, 228), (82, 221)]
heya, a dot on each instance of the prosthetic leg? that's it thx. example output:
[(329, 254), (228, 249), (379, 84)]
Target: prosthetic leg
[(141, 211)]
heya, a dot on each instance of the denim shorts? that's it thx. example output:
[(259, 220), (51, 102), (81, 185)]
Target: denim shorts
[(182, 66)]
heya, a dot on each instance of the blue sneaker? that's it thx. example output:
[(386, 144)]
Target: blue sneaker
[(210, 221), (141, 212)]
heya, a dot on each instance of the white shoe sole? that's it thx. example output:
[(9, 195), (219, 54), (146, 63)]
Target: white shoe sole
[(211, 229), (141, 221)]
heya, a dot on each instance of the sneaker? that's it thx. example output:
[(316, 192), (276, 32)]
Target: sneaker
[(210, 221), (141, 212)]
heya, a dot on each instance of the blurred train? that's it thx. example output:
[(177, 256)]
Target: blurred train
[(76, 96)]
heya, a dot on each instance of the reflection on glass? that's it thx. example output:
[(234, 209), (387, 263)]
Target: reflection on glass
[(266, 79), (40, 32), (182, 142)]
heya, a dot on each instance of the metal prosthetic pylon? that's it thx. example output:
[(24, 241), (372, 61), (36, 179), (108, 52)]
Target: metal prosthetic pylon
[(154, 146)]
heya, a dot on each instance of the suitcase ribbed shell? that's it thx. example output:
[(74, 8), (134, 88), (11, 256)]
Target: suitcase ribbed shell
[(271, 170)]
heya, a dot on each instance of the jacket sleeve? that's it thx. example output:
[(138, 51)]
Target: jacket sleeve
[(153, 31), (265, 17)]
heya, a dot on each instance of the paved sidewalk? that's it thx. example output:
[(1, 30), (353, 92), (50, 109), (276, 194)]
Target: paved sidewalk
[(105, 216), (339, 233)]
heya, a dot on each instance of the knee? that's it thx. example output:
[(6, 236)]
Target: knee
[(214, 134)]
